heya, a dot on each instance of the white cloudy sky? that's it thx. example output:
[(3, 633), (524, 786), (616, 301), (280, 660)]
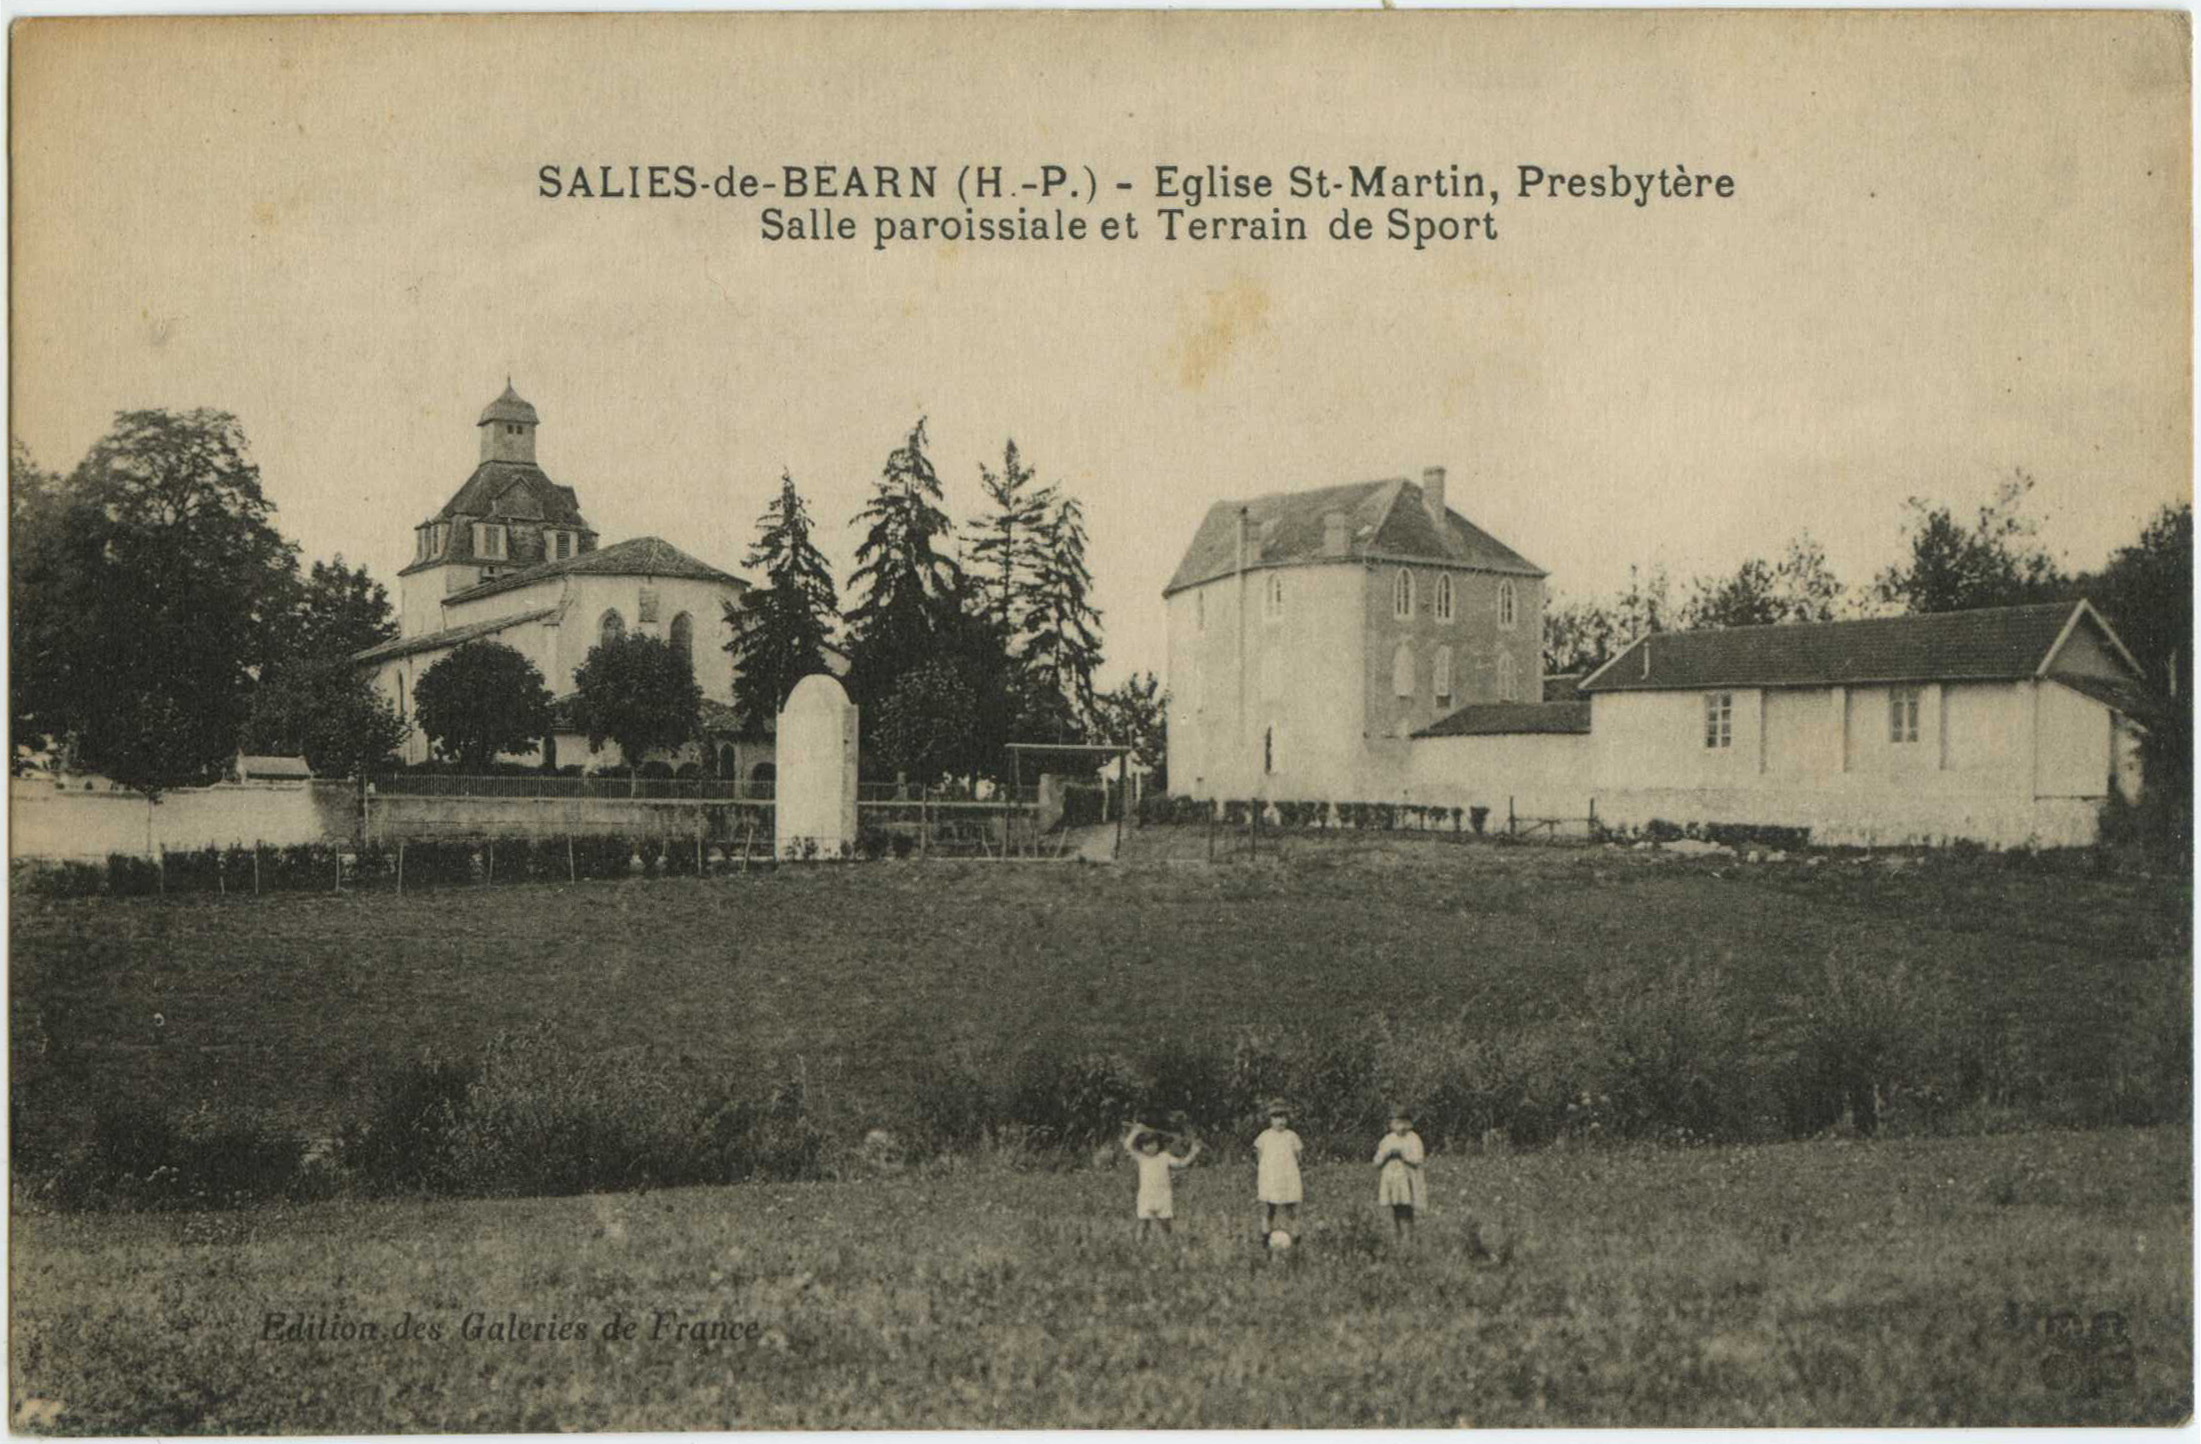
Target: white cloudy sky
[(1959, 246)]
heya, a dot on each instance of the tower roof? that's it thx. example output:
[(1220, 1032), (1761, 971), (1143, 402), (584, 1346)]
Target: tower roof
[(508, 407)]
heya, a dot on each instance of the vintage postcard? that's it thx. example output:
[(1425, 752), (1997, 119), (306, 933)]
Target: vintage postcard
[(1154, 720)]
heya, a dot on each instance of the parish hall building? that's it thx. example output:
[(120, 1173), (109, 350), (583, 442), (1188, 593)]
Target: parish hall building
[(1367, 643)]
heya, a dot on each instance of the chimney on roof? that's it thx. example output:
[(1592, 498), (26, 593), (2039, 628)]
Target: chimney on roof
[(1337, 534), (1432, 495)]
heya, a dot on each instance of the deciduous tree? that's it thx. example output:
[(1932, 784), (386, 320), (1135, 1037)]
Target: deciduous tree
[(639, 692), (326, 711), (144, 592), (481, 699)]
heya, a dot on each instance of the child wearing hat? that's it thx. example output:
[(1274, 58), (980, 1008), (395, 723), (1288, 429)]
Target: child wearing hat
[(1156, 1204), (1399, 1180), (1276, 1155)]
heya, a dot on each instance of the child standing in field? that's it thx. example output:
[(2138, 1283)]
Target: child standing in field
[(1156, 1204), (1399, 1180), (1276, 1157)]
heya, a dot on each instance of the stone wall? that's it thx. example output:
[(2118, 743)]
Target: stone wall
[(391, 818), (49, 821)]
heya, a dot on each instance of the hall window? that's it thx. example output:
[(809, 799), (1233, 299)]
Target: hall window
[(1902, 714), (1509, 607), (612, 627), (1402, 594), (1719, 719), (489, 541), (1509, 687), (1402, 671), (683, 638), (1441, 682), (1444, 597)]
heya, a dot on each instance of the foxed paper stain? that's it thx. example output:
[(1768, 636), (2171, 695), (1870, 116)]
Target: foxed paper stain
[(1232, 315)]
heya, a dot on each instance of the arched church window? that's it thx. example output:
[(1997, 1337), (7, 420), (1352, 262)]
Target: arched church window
[(1508, 607), (683, 639), (1508, 686), (612, 627), (1402, 594), (1441, 682), (1444, 597)]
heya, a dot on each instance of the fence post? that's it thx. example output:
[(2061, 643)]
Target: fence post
[(924, 824), (1593, 819), (1509, 815), (1211, 806), (488, 861), (256, 867), (571, 875), (339, 869), (160, 869), (401, 867)]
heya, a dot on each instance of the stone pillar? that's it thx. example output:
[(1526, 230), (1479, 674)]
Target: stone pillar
[(815, 772)]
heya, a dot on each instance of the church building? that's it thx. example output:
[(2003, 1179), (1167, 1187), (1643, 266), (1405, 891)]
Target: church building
[(510, 557)]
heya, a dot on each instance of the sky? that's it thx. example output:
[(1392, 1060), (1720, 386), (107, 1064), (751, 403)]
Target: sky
[(1959, 245)]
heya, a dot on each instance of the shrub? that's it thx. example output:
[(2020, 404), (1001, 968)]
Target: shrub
[(1477, 817), (195, 870), (137, 1156), (439, 862), (603, 856), (129, 876), (403, 1142), (1074, 1101), (1669, 1056), (1852, 1035), (60, 879)]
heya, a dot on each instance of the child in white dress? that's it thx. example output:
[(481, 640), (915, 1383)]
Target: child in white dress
[(1399, 1180), (1276, 1155), (1156, 1204)]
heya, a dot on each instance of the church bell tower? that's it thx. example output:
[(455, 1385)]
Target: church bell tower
[(508, 428)]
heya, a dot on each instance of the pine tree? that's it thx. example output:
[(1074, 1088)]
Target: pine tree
[(780, 637), (903, 576), (1062, 646), (1004, 547)]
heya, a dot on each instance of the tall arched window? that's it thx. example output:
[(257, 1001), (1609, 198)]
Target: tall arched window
[(1402, 594), (683, 639), (1402, 671), (1508, 683), (1441, 682), (611, 627), (1444, 596), (1508, 605)]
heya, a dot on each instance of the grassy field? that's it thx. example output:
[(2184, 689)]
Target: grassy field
[(1826, 1283), (1905, 1280), (287, 1008)]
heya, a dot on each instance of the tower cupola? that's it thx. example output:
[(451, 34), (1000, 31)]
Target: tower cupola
[(508, 428)]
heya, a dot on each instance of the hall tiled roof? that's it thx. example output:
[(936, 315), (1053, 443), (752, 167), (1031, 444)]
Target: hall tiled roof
[(1991, 644)]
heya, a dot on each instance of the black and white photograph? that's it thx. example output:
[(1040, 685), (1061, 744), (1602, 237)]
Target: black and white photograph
[(1158, 720)]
